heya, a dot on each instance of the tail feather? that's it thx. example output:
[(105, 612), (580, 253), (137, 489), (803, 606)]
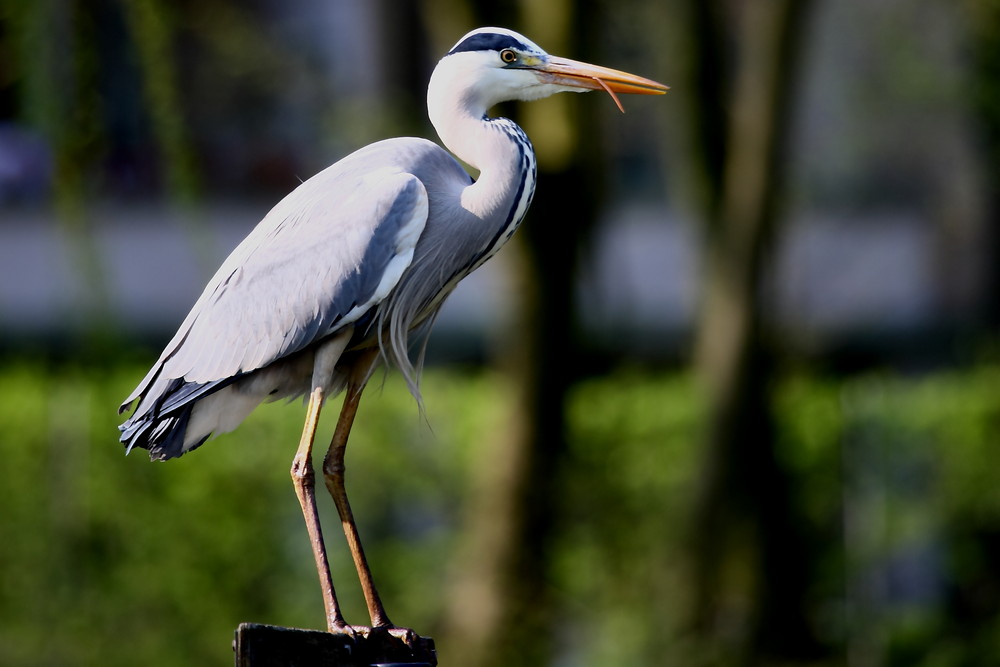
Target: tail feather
[(160, 423)]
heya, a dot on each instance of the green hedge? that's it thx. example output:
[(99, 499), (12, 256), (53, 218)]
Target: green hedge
[(113, 560)]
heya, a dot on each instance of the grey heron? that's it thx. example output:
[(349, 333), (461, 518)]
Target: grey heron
[(340, 272)]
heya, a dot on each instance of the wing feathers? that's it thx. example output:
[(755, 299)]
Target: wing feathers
[(322, 259), (303, 275)]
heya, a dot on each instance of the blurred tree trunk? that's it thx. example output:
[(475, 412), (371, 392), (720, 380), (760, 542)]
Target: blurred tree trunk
[(744, 73), (501, 607), (152, 36), (983, 17)]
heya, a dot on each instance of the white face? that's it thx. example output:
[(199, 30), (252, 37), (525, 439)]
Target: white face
[(496, 65), (492, 65)]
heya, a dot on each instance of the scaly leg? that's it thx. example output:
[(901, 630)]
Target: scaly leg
[(333, 471), (304, 481)]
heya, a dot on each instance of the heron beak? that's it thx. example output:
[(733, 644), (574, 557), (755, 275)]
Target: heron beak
[(575, 74)]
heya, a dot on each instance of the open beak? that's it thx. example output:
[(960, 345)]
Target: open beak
[(575, 74)]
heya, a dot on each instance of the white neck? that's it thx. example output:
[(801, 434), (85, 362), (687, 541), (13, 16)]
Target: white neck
[(457, 106)]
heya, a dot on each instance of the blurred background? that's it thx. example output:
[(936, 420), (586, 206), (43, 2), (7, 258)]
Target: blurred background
[(731, 398)]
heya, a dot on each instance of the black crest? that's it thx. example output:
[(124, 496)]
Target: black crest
[(488, 41)]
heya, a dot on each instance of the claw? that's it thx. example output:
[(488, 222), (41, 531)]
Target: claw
[(352, 631), (405, 635)]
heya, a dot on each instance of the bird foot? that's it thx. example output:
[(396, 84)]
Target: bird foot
[(386, 633), (342, 628), (405, 635), (388, 643)]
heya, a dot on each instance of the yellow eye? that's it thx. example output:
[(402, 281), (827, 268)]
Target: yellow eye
[(508, 56)]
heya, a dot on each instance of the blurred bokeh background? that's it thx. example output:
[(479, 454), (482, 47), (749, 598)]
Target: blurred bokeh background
[(731, 398)]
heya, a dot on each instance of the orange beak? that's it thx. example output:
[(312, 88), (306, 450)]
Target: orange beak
[(575, 74)]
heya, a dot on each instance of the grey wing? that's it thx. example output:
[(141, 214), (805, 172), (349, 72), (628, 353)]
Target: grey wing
[(320, 260)]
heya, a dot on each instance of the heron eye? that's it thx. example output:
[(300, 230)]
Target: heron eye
[(508, 56)]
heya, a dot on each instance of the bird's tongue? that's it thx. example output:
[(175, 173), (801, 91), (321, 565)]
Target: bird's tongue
[(611, 93)]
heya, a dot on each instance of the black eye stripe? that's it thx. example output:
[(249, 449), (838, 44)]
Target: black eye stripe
[(488, 41)]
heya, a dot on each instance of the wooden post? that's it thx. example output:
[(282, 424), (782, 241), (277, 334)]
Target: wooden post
[(259, 645)]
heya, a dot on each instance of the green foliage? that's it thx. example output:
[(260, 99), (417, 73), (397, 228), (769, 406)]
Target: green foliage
[(113, 560), (128, 561), (629, 486)]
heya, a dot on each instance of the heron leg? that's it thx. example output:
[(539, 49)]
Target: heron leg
[(333, 472), (304, 480)]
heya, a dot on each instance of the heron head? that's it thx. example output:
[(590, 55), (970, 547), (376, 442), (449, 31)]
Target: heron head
[(492, 65)]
